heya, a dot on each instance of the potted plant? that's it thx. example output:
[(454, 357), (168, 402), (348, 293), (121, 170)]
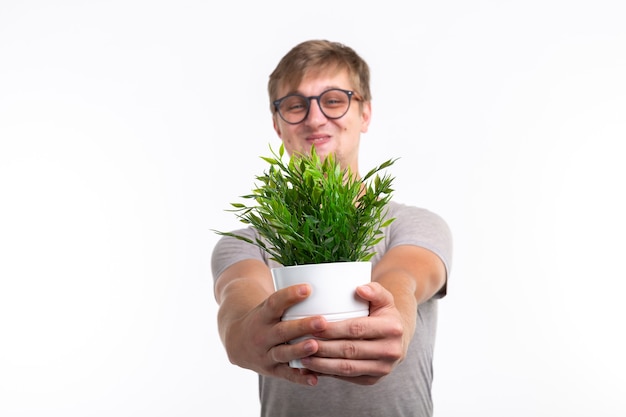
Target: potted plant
[(311, 213)]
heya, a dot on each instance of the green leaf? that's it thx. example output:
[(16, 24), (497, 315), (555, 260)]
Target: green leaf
[(310, 210)]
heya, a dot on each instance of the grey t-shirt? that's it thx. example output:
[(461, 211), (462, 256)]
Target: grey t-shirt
[(407, 390)]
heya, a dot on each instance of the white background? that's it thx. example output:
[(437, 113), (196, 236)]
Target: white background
[(126, 128)]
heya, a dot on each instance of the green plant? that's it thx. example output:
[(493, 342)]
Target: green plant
[(310, 210)]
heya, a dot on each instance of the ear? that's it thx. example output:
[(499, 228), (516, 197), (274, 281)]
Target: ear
[(277, 127), (366, 116)]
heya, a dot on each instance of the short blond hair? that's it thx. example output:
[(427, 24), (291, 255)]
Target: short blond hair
[(319, 55)]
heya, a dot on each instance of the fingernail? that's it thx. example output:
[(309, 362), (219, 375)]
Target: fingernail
[(303, 290), (366, 289), (318, 324)]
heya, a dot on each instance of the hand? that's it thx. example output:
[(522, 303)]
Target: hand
[(363, 350), (258, 339)]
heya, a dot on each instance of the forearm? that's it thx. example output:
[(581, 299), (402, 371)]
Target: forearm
[(412, 275), (237, 299), (239, 290), (411, 270), (250, 326)]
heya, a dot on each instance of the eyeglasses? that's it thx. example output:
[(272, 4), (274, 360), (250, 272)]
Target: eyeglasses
[(334, 104)]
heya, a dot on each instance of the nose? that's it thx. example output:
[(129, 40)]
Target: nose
[(315, 116)]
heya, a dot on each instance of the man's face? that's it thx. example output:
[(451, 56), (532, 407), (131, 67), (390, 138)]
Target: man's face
[(338, 136)]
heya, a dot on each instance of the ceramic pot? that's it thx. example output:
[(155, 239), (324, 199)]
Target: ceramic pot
[(333, 292)]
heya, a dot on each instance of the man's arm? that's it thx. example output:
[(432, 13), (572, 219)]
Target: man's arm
[(364, 350), (249, 322), (412, 275)]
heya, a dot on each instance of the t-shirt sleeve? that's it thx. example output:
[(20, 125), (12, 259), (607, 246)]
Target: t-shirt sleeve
[(229, 250), (421, 227)]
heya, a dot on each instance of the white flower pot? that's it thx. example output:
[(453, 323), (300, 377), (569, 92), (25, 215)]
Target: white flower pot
[(333, 292)]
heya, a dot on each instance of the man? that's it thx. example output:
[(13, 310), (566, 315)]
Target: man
[(379, 365)]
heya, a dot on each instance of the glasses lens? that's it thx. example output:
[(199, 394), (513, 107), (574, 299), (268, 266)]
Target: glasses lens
[(293, 108), (334, 103)]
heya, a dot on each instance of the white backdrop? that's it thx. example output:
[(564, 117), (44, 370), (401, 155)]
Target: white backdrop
[(126, 128)]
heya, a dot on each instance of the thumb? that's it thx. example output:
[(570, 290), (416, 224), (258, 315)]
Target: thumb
[(376, 294)]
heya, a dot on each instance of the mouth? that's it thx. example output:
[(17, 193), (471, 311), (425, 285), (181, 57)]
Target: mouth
[(317, 139)]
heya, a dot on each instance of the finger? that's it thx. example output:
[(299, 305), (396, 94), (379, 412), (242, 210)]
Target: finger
[(298, 376), (287, 331), (282, 299), (354, 329), (375, 294), (288, 352), (345, 367), (359, 350)]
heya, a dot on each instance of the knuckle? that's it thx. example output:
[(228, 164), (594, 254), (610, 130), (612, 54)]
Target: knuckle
[(349, 350), (276, 355), (346, 368), (272, 301), (397, 330), (392, 352), (357, 329), (282, 333)]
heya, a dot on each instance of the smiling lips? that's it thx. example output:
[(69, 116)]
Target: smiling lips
[(316, 139)]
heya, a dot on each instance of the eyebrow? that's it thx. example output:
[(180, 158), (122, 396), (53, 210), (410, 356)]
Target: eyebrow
[(328, 87)]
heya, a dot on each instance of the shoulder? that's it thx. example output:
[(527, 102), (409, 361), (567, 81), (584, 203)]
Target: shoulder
[(229, 250), (420, 227), (416, 217)]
